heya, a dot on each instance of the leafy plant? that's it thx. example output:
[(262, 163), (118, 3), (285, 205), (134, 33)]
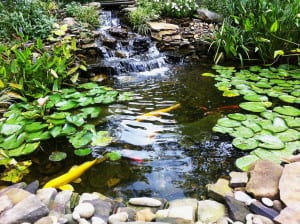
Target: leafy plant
[(24, 18), (34, 71), (84, 14), (258, 29), (140, 17)]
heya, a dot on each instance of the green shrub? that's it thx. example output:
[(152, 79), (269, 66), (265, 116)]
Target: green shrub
[(24, 18), (84, 14), (260, 28), (178, 8), (140, 17)]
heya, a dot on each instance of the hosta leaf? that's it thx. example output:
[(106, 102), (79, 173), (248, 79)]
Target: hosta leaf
[(244, 163), (245, 143)]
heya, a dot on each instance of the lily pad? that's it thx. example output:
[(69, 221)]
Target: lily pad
[(237, 116), (221, 129), (11, 142), (9, 129), (287, 110), (231, 93), (228, 123), (265, 154), (293, 122), (289, 135), (35, 126), (92, 111), (278, 125), (242, 132), (253, 106), (208, 74), (244, 163), (66, 105), (113, 156), (81, 139), (77, 119), (252, 125), (37, 136), (287, 98), (56, 131), (57, 156), (101, 138), (270, 142), (68, 129), (256, 98), (89, 85), (24, 149), (83, 152), (57, 115), (245, 143)]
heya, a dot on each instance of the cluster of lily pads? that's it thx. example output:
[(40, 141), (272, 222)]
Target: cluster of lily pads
[(68, 112), (271, 129)]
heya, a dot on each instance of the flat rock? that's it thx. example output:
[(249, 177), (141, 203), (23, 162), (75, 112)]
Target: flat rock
[(237, 210), (264, 179), (158, 26), (186, 213), (219, 190), (238, 179), (289, 215), (46, 195), (17, 194), (29, 209), (289, 191), (145, 201), (210, 211), (5, 203)]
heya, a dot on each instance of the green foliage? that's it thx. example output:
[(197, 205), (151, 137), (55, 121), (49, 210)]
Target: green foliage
[(178, 8), (258, 29), (33, 70), (84, 14), (140, 17), (25, 18)]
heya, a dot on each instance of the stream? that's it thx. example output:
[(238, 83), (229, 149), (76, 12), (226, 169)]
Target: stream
[(173, 155)]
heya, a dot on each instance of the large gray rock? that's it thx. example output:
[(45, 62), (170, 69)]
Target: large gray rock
[(29, 209), (5, 203), (237, 210), (289, 190), (210, 211), (264, 179), (61, 204), (46, 195)]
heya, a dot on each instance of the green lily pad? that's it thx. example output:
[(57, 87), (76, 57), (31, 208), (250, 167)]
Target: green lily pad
[(11, 142), (81, 139), (24, 149), (9, 129), (287, 98), (222, 86), (56, 122), (221, 129), (113, 156), (296, 93), (37, 136), (269, 114), (92, 111), (126, 96), (208, 74), (35, 126), (254, 106), (77, 119), (101, 138), (66, 105), (74, 95), (56, 131), (278, 125), (83, 152), (244, 163), (57, 115), (263, 84), (85, 101), (287, 110), (242, 132), (256, 98), (68, 129), (231, 93), (293, 122), (89, 85), (265, 154), (228, 123), (252, 125), (270, 142), (237, 116), (289, 135), (245, 143), (57, 156)]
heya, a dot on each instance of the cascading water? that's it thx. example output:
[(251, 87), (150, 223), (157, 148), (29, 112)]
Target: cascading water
[(126, 54)]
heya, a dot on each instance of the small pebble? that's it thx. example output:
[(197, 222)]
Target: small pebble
[(242, 196), (267, 201), (117, 218), (145, 201), (97, 220), (277, 205), (83, 221), (85, 210)]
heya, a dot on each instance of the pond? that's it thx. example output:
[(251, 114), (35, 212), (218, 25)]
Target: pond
[(173, 155)]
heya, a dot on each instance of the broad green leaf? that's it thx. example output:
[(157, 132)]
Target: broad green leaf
[(287, 110), (264, 154), (57, 115), (37, 136), (66, 105), (92, 111), (81, 139), (252, 125), (35, 126), (242, 132), (89, 85), (289, 135), (237, 116), (253, 106), (56, 131), (256, 98), (231, 93), (113, 156), (57, 156), (9, 129), (287, 98), (293, 122), (270, 142), (228, 123), (244, 163), (24, 149), (208, 74), (77, 119), (274, 27), (221, 129), (126, 96), (245, 143), (11, 142), (68, 129)]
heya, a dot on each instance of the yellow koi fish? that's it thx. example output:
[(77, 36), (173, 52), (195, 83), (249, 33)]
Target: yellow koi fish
[(157, 113), (62, 182)]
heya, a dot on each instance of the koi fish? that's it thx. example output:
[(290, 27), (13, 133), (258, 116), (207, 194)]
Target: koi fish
[(62, 182), (157, 113)]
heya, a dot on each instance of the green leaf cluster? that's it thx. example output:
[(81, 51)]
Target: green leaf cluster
[(269, 132)]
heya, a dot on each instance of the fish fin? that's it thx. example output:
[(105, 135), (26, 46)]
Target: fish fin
[(77, 181), (66, 187), (73, 167)]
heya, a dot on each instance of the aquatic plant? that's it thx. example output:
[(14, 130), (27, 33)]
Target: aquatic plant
[(68, 112), (270, 124)]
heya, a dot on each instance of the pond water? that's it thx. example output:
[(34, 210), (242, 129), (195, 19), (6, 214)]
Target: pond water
[(173, 155)]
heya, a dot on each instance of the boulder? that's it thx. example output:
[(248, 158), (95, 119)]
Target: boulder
[(264, 179), (289, 191), (210, 211), (219, 189)]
